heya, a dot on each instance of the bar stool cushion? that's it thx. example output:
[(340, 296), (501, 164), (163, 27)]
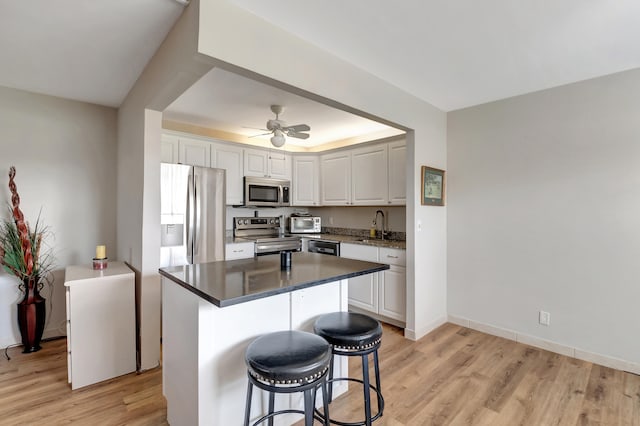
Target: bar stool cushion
[(349, 330), (288, 357)]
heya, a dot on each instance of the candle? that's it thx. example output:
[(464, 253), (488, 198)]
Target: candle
[(101, 252)]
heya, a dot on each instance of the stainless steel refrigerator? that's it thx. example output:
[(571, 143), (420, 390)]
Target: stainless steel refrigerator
[(193, 207)]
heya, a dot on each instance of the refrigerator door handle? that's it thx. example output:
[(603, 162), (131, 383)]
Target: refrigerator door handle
[(190, 216), (196, 215)]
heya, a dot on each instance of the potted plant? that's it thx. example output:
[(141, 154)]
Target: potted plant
[(21, 255)]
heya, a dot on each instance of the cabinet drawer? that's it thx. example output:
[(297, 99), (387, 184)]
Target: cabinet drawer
[(359, 252), (239, 251), (393, 256)]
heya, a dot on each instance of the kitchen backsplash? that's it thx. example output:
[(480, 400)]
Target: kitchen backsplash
[(363, 233)]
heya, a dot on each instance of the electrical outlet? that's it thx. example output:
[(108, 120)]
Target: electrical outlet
[(419, 225), (544, 318), (330, 220)]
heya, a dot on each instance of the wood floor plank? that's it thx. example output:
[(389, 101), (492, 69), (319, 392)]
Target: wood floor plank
[(453, 376)]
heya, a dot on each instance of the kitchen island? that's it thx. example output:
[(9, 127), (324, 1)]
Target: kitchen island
[(212, 311)]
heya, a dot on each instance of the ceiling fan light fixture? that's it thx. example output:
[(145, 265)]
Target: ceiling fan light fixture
[(277, 139)]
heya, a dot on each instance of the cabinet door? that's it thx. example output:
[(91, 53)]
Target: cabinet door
[(279, 165), (369, 183), (195, 152), (169, 149), (255, 163), (239, 251), (392, 296), (363, 290), (335, 171), (397, 173), (305, 182), (229, 157)]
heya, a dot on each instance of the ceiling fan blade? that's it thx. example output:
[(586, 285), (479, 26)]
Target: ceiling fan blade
[(297, 128), (255, 128), (261, 134), (298, 135)]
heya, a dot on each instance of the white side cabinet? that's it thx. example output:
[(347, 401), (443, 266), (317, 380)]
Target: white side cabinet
[(384, 293), (101, 323), (239, 250)]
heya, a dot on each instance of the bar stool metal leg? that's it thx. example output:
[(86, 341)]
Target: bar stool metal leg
[(365, 386), (272, 404), (247, 408), (377, 371)]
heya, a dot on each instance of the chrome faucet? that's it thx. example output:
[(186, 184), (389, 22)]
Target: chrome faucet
[(382, 232)]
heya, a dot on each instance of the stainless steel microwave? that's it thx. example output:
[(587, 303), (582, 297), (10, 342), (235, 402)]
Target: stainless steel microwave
[(266, 192), (304, 224)]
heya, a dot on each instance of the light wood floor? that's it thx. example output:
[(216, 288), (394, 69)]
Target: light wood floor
[(452, 376)]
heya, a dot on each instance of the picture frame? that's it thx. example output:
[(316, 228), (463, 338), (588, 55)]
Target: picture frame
[(432, 187)]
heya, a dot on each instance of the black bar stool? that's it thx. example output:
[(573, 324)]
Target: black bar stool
[(353, 334), (288, 362)]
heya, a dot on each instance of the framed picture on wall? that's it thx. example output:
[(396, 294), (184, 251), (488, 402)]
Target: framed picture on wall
[(432, 187)]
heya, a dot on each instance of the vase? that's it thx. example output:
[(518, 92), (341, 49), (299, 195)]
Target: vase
[(31, 316)]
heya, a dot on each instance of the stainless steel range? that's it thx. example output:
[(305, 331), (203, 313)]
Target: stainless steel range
[(267, 233)]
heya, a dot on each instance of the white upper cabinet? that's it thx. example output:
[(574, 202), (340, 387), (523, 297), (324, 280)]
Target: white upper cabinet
[(279, 165), (255, 162), (335, 172), (194, 152), (369, 175), (262, 163), (397, 172), (169, 149), (229, 157), (306, 180)]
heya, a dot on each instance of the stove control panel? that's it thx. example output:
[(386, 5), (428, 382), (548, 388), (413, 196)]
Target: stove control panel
[(256, 222)]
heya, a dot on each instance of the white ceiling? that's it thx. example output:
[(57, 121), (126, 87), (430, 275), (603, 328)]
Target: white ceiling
[(459, 53), (452, 54), (91, 51), (225, 101)]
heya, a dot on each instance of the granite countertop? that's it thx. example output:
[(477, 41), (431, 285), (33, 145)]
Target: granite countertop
[(227, 283), (340, 238)]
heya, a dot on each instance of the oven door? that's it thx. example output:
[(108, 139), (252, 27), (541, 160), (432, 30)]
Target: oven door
[(275, 246)]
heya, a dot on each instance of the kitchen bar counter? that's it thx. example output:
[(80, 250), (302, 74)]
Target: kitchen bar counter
[(212, 311), (239, 281)]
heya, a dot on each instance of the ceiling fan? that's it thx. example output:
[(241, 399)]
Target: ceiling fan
[(279, 129)]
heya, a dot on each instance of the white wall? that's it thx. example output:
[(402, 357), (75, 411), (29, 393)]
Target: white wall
[(174, 67), (65, 156), (237, 37), (544, 213)]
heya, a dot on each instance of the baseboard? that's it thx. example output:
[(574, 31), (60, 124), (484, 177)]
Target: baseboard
[(423, 331), (604, 360)]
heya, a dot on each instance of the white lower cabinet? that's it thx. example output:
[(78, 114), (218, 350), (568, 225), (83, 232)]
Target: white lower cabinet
[(239, 250), (363, 290), (101, 323), (383, 293)]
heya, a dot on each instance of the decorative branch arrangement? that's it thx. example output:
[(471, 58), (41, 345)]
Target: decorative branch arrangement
[(20, 247)]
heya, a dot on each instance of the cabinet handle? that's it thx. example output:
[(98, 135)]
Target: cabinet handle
[(393, 257), (238, 251)]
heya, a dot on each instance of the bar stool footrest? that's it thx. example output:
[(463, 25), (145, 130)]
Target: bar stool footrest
[(320, 416)]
